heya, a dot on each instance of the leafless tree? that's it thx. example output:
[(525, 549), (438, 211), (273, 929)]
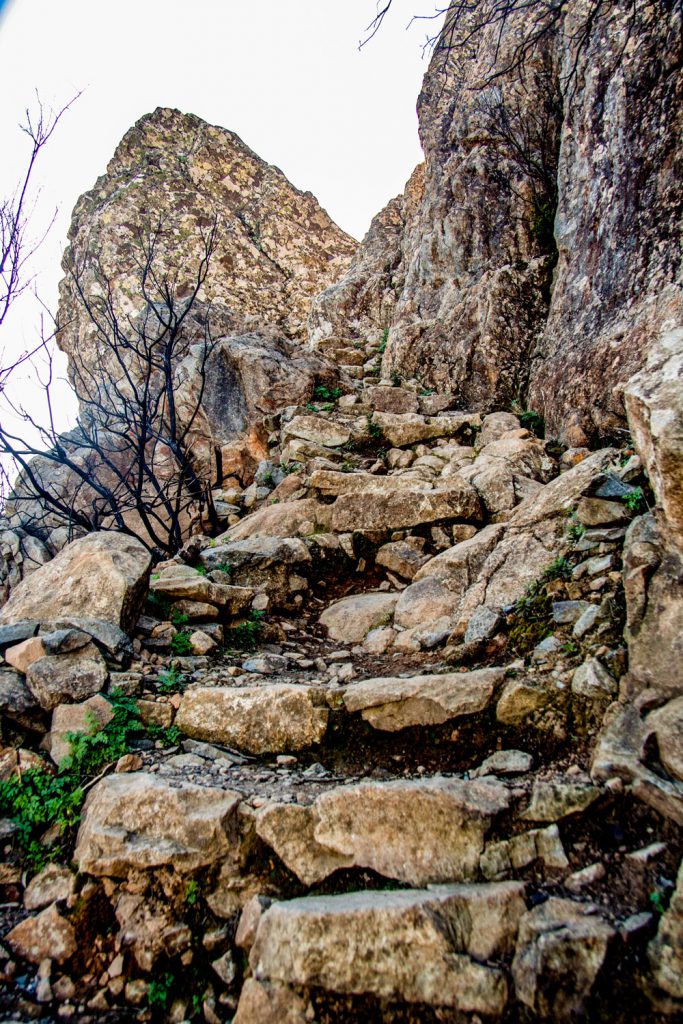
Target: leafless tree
[(130, 462)]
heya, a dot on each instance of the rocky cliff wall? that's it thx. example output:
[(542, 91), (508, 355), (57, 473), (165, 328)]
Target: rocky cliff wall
[(541, 260)]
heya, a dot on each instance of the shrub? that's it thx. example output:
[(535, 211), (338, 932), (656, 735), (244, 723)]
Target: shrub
[(245, 637), (181, 644)]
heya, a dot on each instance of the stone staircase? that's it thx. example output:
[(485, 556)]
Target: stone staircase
[(388, 810)]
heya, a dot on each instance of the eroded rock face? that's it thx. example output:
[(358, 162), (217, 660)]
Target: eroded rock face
[(277, 247), (102, 576), (414, 831), (459, 268)]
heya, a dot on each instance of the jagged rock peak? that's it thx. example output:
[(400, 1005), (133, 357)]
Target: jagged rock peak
[(276, 246)]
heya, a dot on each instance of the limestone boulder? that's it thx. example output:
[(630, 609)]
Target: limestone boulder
[(137, 821), (318, 430), (180, 586), (352, 618), (654, 405), (103, 576), (424, 602), (356, 944), (281, 520), (404, 429), (666, 724), (257, 719), (67, 678), (561, 948), (402, 508), (391, 704), (416, 831)]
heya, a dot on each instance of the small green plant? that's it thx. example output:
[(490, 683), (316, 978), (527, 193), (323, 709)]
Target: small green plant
[(170, 680), (192, 892), (245, 637), (227, 567), (533, 421), (291, 467), (159, 603), (532, 616), (159, 992), (383, 343), (426, 392), (202, 570), (181, 643), (575, 530), (325, 394), (347, 466), (657, 901), (560, 569), (635, 502), (179, 618), (396, 378), (374, 429), (268, 478)]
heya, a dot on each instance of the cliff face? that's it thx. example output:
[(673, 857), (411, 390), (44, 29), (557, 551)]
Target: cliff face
[(582, 144), (276, 247)]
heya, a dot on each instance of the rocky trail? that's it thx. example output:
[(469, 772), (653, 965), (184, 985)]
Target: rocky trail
[(385, 756)]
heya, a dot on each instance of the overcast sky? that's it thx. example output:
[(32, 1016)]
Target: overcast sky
[(286, 75)]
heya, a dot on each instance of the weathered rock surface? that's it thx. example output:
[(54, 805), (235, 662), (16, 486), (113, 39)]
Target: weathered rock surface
[(561, 949), (67, 678), (415, 831), (392, 704), (357, 943), (352, 618), (48, 936), (102, 576), (257, 719), (137, 821)]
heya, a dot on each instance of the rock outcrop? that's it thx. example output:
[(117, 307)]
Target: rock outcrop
[(541, 163)]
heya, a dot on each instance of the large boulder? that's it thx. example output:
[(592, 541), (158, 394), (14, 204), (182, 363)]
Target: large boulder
[(351, 619), (391, 704), (102, 576), (414, 946), (137, 821), (67, 678), (257, 719), (416, 831)]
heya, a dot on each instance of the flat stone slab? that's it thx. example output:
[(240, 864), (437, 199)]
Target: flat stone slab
[(413, 946), (392, 703), (404, 507), (352, 618), (257, 719), (415, 830)]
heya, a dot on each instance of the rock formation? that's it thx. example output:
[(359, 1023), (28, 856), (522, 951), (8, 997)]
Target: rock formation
[(460, 270), (397, 738)]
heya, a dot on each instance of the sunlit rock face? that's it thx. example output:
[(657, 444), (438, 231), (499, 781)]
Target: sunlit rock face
[(276, 247), (499, 284)]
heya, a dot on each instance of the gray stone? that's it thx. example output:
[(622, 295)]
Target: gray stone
[(483, 625), (15, 632), (553, 801)]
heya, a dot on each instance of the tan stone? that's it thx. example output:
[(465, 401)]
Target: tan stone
[(48, 936), (518, 701), (666, 724), (67, 678), (258, 719), (182, 586), (352, 618), (318, 430), (265, 1003), (101, 576), (22, 655), (282, 520), (562, 946), (391, 704), (405, 507), (138, 821), (405, 429), (202, 643), (51, 885), (555, 800), (356, 944)]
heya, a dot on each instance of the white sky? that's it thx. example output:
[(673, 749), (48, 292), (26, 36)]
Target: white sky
[(286, 75)]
